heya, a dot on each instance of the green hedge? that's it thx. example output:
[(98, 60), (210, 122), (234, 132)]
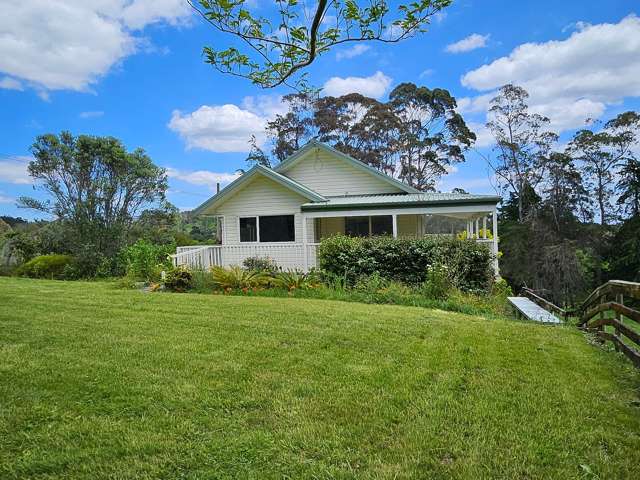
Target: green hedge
[(468, 263), (45, 266)]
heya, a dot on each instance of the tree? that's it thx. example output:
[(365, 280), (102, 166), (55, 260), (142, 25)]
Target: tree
[(433, 136), (274, 49), (629, 187), (602, 153), (523, 142), (564, 192), (96, 187), (415, 136)]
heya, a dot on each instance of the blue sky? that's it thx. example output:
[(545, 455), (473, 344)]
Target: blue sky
[(133, 69)]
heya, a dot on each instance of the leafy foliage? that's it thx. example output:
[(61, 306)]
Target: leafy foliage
[(295, 280), (45, 266), (96, 187), (415, 136), (178, 280), (261, 264), (145, 260), (469, 264), (279, 45), (238, 278)]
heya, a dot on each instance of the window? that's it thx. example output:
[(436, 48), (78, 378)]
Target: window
[(277, 228), (368, 226), (356, 226), (248, 229), (382, 225)]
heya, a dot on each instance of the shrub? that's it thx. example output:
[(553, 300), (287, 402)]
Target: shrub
[(295, 279), (437, 284), (179, 279), (45, 266), (261, 264), (469, 264), (145, 260), (237, 278)]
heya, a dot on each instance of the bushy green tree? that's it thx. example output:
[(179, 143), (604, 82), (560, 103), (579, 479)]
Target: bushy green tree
[(96, 188)]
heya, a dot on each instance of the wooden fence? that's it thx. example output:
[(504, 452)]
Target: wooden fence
[(605, 307), (595, 315)]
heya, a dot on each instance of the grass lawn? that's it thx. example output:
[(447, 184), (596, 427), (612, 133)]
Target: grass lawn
[(97, 382)]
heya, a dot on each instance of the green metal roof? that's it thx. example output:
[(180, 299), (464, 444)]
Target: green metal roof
[(401, 200), (292, 160), (264, 171)]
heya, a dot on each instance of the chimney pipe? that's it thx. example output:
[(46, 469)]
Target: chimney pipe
[(217, 187)]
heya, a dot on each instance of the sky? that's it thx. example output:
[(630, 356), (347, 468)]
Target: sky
[(133, 69)]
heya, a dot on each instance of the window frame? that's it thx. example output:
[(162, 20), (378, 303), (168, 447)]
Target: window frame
[(257, 230), (258, 242)]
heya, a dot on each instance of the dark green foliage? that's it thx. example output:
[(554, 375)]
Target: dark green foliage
[(178, 280), (45, 266), (96, 188), (469, 264), (625, 257)]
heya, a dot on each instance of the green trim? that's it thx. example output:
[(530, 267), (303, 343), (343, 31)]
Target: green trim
[(491, 201), (259, 170), (290, 161)]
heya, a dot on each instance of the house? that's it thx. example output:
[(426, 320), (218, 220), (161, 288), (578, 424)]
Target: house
[(283, 213)]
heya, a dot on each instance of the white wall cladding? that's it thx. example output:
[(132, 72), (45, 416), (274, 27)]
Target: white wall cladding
[(327, 175)]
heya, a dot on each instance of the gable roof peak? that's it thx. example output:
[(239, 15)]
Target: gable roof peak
[(290, 161)]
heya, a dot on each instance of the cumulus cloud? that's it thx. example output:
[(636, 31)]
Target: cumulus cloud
[(573, 79), (9, 83), (91, 114), (218, 128), (70, 44), (14, 170), (352, 52), (472, 42), (374, 86), (201, 177)]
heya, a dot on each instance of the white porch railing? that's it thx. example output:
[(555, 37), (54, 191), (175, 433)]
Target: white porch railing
[(287, 256)]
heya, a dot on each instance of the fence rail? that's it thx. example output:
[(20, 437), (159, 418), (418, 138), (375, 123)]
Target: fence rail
[(610, 298), (603, 308), (295, 256)]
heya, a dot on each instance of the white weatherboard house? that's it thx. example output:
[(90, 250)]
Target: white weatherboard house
[(283, 213)]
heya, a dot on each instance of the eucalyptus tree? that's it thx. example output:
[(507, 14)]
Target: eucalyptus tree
[(274, 42), (523, 142), (433, 136), (602, 153)]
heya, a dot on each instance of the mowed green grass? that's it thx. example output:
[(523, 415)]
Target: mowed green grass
[(97, 382)]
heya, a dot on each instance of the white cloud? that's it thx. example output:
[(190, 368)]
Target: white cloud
[(218, 128), (70, 44), (91, 114), (484, 138), (474, 104), (11, 84), (5, 199), (352, 52), (265, 105), (201, 177), (374, 86), (228, 128), (14, 170), (568, 80), (426, 73), (472, 42)]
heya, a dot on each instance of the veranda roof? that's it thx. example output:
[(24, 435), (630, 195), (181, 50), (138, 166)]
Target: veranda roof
[(400, 200)]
